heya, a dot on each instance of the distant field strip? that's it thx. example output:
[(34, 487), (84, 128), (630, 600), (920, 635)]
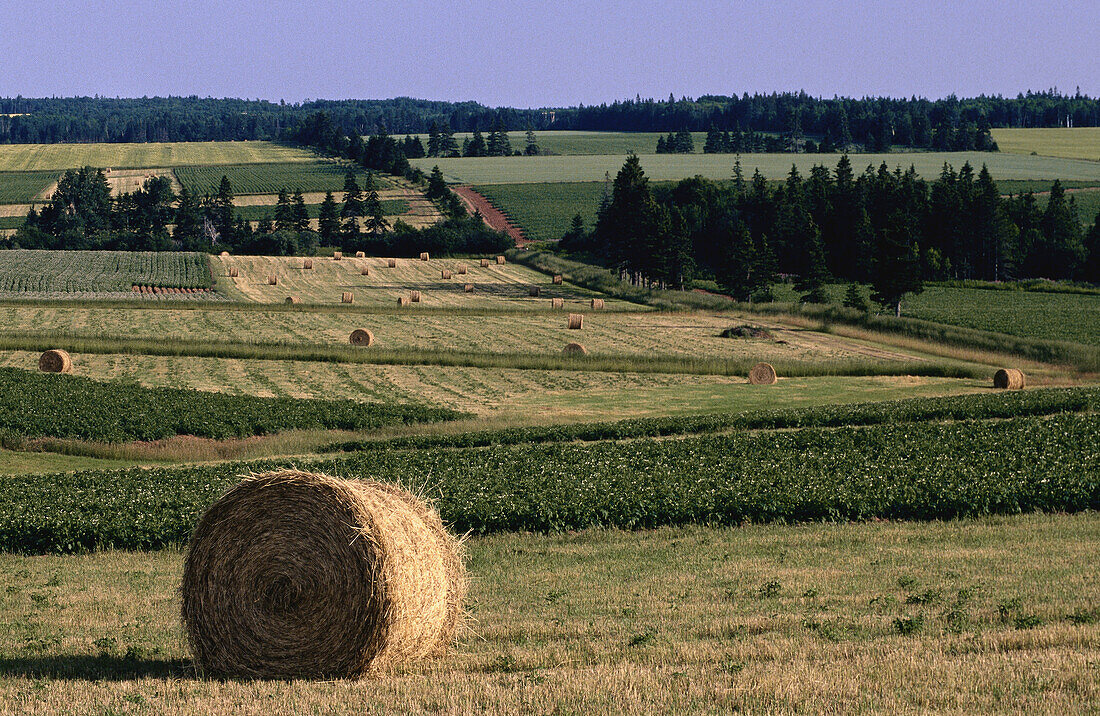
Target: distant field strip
[(23, 271), (24, 187), (497, 286), (578, 142), (34, 157), (390, 207), (1072, 143), (545, 211), (315, 176), (661, 167)]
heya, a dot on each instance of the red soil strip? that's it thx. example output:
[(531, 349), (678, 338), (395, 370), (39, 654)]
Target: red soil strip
[(489, 213)]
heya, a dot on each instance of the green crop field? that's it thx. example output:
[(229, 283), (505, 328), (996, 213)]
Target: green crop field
[(545, 211), (577, 142), (252, 212), (315, 176), (1087, 201), (32, 271), (664, 167), (24, 187), (1072, 143), (40, 157)]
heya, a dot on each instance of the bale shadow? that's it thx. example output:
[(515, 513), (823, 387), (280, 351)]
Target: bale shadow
[(85, 667)]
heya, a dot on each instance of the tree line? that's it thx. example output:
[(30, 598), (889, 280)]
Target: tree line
[(83, 215), (891, 229), (871, 122)]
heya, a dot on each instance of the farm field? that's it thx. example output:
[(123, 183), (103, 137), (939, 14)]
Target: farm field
[(1072, 143), (577, 142), (269, 178), (256, 212), (58, 157), (604, 620), (545, 211), (24, 187), (26, 271), (665, 167), (1087, 200)]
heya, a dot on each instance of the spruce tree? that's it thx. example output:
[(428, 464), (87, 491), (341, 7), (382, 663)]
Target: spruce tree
[(853, 298), (1061, 227), (897, 264), (376, 223), (532, 148), (284, 212), (437, 185), (223, 211), (328, 219), (448, 146), (299, 211), (1090, 269), (353, 197), (188, 231), (434, 139)]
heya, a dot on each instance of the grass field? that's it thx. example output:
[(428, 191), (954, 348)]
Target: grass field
[(269, 178), (79, 272), (41, 157), (1073, 143), (24, 187), (545, 211), (577, 142), (663, 167), (988, 615)]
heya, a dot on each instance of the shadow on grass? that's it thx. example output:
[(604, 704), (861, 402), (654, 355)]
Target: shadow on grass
[(95, 668)]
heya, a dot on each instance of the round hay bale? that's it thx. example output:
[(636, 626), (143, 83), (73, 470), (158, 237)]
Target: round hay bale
[(485, 263), (762, 374), (575, 349), (346, 297), (468, 288), (414, 296), (403, 301), (55, 361), (557, 303), (462, 269), (360, 255), (225, 253), (597, 304), (272, 280), (424, 256), (234, 272), (365, 271), (576, 321), (337, 255), (1009, 379), (391, 263), (297, 575), (361, 337), (445, 273), (533, 291), (557, 279), (500, 260), (293, 299), (307, 264)]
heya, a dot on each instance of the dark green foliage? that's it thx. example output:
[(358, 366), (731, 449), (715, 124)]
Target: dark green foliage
[(853, 298), (925, 471), (66, 406)]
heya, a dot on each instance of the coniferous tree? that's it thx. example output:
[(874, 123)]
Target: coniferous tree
[(448, 146), (353, 197), (376, 223), (1062, 251), (299, 212), (434, 139), (897, 264), (437, 185), (532, 148), (284, 212), (188, 232), (476, 146), (328, 219), (223, 211), (1090, 269), (853, 298)]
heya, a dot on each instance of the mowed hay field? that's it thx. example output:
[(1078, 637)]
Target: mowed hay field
[(1071, 143), (973, 616), (672, 167), (503, 286), (39, 157)]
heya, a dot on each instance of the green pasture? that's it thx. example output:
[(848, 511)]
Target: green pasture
[(576, 142), (315, 176), (1072, 143), (662, 167), (41, 157)]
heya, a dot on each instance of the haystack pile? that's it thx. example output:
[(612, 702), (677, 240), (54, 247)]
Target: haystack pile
[(297, 575), (762, 374), (55, 361)]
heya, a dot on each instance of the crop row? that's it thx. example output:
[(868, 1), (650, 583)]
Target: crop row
[(390, 207), (23, 187), (915, 471), (64, 406), (268, 178), (34, 271), (910, 410)]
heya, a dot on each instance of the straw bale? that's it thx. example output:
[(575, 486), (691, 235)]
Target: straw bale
[(55, 361), (762, 374), (361, 337)]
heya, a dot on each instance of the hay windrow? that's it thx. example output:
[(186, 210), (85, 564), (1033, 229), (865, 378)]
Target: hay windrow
[(361, 337), (762, 374), (1009, 379), (293, 574), (55, 361)]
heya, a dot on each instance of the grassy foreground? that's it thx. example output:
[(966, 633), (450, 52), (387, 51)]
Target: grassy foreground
[(989, 615)]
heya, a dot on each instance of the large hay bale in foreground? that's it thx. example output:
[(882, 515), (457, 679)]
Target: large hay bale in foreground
[(55, 361), (414, 296), (576, 321), (361, 337), (424, 256), (557, 279), (391, 263), (1009, 379), (762, 374), (575, 349), (292, 574), (597, 304), (307, 264), (346, 297)]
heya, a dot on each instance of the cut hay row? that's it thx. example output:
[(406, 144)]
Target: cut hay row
[(293, 574)]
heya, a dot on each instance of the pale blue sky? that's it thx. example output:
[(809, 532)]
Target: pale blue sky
[(531, 54)]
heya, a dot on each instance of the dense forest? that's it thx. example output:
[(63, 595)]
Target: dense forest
[(83, 215), (889, 228), (872, 122)]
